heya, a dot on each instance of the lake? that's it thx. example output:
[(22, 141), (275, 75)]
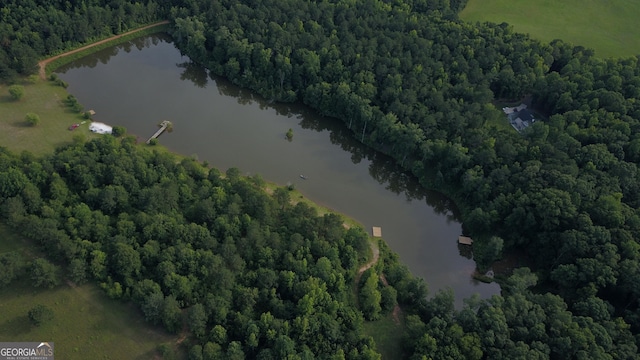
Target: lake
[(141, 83)]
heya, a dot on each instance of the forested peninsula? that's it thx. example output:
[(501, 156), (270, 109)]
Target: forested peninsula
[(259, 277)]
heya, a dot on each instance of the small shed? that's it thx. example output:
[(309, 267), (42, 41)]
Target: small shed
[(377, 231), (465, 240)]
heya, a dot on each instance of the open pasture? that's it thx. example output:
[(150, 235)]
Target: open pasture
[(610, 27)]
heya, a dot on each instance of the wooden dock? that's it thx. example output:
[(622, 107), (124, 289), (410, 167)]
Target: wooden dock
[(377, 231), (465, 240), (163, 126)]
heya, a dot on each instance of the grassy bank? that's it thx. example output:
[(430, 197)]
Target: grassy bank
[(608, 26), (44, 99), (86, 324)]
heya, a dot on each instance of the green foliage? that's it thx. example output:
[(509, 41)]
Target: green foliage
[(370, 296), (71, 101), (195, 353), (12, 265), (40, 314), (289, 135), (282, 197), (197, 320), (78, 271), (16, 92), (152, 307), (171, 315), (43, 273), (125, 261), (112, 288), (388, 298), (154, 142), (118, 131), (486, 252), (167, 351), (98, 265), (61, 83), (32, 119)]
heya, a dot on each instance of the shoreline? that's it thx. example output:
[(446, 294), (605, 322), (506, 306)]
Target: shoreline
[(42, 64)]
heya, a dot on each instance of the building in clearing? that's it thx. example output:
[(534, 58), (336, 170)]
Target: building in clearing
[(465, 240), (519, 117)]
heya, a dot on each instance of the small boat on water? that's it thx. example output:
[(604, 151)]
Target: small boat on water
[(303, 177)]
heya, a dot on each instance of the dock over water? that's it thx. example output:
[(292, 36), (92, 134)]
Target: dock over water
[(377, 231), (163, 126), (465, 240)]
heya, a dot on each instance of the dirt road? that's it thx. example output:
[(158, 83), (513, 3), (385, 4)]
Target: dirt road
[(43, 64)]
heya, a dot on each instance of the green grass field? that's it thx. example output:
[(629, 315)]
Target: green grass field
[(45, 99), (608, 26), (388, 336), (86, 324)]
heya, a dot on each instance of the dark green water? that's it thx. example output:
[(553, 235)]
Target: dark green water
[(139, 84)]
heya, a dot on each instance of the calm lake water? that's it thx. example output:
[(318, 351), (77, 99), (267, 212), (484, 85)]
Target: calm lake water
[(141, 83)]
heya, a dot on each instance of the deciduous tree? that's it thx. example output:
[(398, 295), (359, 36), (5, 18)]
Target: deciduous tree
[(16, 92), (40, 314), (43, 273), (32, 119)]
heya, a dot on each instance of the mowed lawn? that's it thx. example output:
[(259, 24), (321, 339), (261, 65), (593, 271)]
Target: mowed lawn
[(86, 324), (46, 100), (610, 27)]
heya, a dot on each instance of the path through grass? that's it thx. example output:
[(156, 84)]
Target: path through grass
[(608, 26)]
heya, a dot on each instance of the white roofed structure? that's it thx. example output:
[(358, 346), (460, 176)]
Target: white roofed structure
[(100, 128)]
